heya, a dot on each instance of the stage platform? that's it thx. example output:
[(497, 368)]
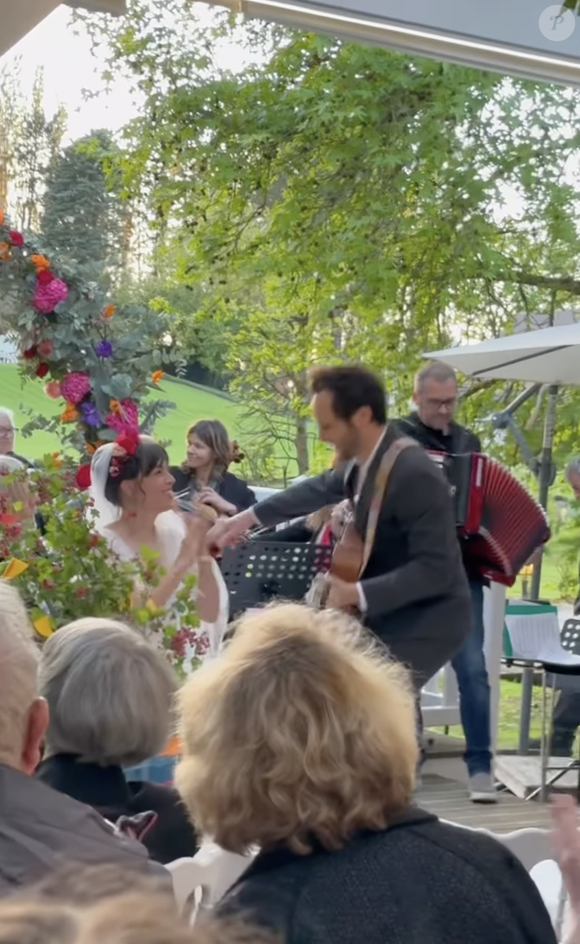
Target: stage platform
[(448, 799)]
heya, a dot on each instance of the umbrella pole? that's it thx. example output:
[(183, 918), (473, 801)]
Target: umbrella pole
[(544, 480)]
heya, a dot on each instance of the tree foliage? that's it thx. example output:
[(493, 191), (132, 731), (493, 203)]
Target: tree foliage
[(84, 219), (336, 201)]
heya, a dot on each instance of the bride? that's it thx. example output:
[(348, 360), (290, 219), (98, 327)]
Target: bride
[(131, 491)]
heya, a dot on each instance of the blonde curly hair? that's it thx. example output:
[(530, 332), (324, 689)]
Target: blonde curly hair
[(302, 731)]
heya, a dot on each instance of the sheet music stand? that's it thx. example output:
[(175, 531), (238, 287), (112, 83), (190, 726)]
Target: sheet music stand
[(257, 573)]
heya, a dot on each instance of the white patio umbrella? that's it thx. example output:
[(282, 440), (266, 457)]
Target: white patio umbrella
[(549, 356)]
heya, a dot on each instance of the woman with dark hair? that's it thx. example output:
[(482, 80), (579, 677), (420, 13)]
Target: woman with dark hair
[(132, 494), (204, 474)]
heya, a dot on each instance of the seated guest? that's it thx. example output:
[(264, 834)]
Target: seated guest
[(110, 695), (107, 905), (300, 739), (40, 828), (8, 435), (204, 473)]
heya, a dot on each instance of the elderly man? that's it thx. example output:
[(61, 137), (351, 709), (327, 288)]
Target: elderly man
[(8, 435), (433, 426), (39, 828)]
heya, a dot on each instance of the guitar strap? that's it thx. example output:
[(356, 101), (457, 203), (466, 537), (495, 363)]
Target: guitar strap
[(379, 490)]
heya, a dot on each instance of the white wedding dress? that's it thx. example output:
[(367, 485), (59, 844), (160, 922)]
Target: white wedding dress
[(171, 531)]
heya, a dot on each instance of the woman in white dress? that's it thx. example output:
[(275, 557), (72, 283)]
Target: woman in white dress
[(131, 490)]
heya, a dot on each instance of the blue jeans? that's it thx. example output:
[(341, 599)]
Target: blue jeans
[(474, 691)]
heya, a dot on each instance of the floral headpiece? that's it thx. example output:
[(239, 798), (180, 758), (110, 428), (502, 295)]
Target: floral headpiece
[(124, 446)]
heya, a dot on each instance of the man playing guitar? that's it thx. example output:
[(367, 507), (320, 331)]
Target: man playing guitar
[(411, 590)]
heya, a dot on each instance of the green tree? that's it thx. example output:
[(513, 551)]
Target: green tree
[(85, 221), (29, 143), (341, 202)]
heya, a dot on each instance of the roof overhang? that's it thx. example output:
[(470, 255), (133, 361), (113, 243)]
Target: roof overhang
[(19, 17), (529, 38)]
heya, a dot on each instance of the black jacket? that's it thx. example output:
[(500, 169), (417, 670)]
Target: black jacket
[(231, 488), (459, 440), (107, 791), (415, 585), (419, 882)]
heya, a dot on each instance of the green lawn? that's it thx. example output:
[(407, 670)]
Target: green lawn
[(192, 403), (509, 716)]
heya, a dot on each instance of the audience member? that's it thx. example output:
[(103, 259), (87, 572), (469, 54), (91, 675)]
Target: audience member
[(109, 906), (566, 842), (300, 739), (110, 696), (8, 435), (40, 828), (204, 474)]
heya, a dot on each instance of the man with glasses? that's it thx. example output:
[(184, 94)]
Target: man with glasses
[(7, 435), (432, 425)]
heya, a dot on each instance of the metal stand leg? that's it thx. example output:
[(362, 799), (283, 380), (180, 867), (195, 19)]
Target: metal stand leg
[(526, 709)]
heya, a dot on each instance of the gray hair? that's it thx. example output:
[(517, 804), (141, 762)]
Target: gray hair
[(4, 411), (110, 693), (437, 371), (573, 466), (18, 673)]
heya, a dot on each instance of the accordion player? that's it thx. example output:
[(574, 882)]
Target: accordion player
[(499, 523)]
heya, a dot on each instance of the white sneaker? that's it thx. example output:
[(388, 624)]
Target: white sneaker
[(482, 788)]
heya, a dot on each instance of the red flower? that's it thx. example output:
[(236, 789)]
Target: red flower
[(83, 477), (42, 370), (45, 348), (17, 239), (44, 277), (30, 353), (128, 442)]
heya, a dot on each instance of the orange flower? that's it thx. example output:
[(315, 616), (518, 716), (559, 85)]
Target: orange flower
[(109, 312), (40, 262), (57, 459), (157, 376), (4, 251), (114, 406), (1, 216), (70, 414)]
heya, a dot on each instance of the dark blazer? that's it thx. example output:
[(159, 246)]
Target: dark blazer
[(419, 882), (415, 585), (231, 488), (107, 791)]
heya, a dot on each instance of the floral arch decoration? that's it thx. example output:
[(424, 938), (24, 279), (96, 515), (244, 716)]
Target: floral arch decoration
[(100, 362)]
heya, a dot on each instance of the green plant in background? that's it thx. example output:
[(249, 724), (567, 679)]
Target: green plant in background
[(69, 572)]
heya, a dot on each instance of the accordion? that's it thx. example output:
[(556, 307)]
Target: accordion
[(500, 524)]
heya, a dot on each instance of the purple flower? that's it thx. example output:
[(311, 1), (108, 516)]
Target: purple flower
[(90, 413), (103, 349)]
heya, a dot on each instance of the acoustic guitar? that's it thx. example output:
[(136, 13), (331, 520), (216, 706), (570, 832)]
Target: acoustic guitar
[(351, 553)]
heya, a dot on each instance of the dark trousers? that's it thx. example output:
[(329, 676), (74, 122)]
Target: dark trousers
[(566, 720), (474, 691)]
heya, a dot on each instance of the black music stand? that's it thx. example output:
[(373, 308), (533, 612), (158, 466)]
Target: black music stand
[(257, 573)]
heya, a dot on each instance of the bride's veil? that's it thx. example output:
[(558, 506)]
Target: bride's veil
[(105, 512)]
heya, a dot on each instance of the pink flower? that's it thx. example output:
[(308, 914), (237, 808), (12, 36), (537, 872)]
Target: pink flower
[(75, 387), (52, 390), (126, 419), (47, 297), (45, 348), (17, 239)]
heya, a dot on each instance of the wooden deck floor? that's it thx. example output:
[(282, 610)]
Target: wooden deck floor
[(448, 800)]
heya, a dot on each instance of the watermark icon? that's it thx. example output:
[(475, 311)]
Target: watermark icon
[(556, 23)]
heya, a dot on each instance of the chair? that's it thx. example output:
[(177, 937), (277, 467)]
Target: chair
[(562, 677), (200, 882), (533, 848)]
